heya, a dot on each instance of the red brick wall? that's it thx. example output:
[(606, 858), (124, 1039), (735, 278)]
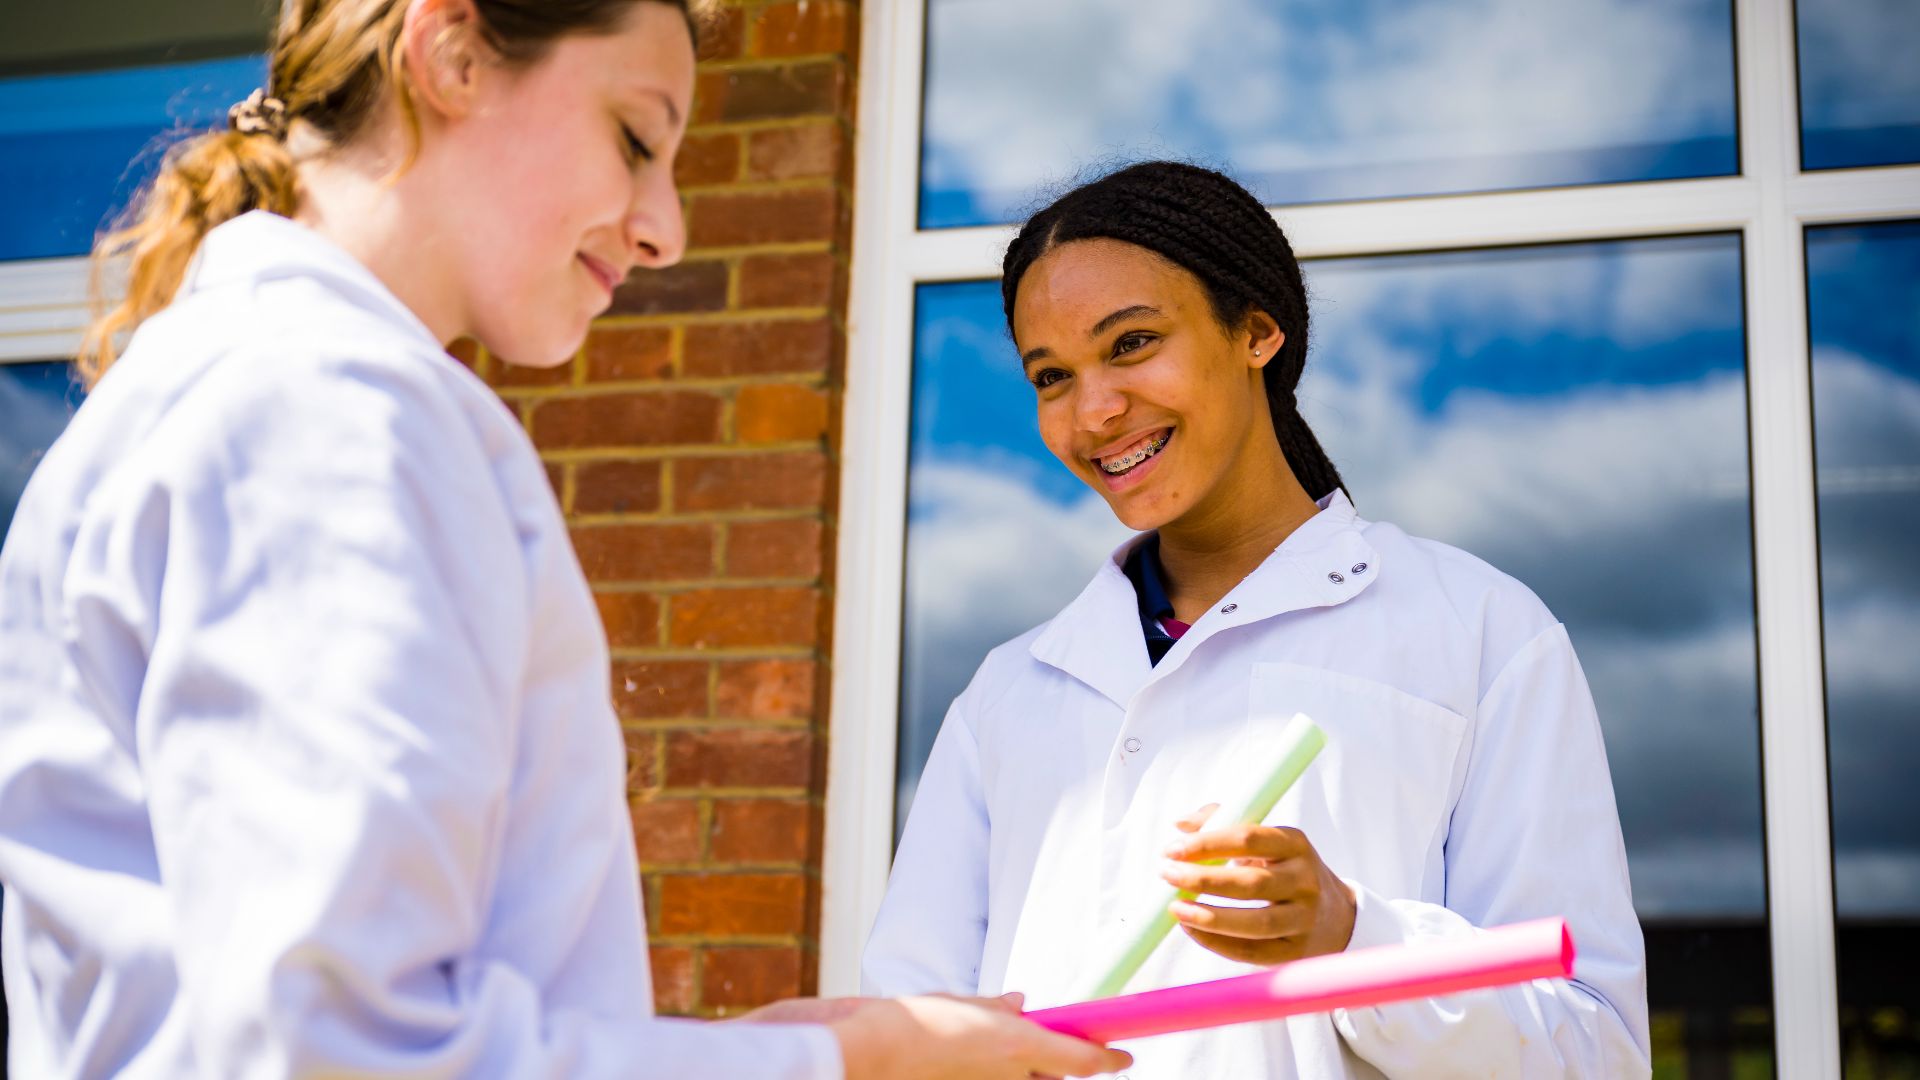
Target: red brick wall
[(691, 443)]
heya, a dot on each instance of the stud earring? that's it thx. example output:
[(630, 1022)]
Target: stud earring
[(1256, 352)]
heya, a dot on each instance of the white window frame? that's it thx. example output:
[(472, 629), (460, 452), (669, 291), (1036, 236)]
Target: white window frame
[(43, 308), (1770, 204)]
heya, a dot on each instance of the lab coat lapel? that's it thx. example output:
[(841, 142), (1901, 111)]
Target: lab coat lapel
[(1096, 638)]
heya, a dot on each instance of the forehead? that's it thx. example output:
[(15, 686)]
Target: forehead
[(649, 52), (1080, 282)]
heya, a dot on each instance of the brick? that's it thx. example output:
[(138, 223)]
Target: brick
[(667, 830), (775, 549), (759, 348), (638, 418), (616, 487), (732, 904), (557, 480), (803, 152), (733, 618), (466, 350), (781, 92), (673, 979), (779, 412), (808, 279), (723, 32), (660, 689), (707, 159), (741, 978), (765, 689), (687, 288), (739, 758), (632, 620), (643, 752), (645, 552), (805, 27), (751, 482), (634, 352), (736, 219), (762, 830)]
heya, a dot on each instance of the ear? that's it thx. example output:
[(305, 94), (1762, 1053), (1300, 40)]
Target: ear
[(444, 54), (1262, 338)]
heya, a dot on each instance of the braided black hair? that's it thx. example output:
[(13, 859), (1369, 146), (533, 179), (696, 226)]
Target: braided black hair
[(1217, 231)]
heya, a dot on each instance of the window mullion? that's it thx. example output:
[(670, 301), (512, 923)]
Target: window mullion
[(1786, 556)]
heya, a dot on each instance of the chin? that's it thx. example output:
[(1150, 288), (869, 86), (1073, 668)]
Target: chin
[(545, 348)]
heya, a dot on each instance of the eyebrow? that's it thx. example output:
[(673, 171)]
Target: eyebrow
[(1134, 311)]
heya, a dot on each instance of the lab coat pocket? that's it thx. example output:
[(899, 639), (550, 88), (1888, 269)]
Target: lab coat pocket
[(1375, 803)]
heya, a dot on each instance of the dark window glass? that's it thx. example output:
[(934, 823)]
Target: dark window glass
[(1863, 292), (1307, 101), (1859, 82), (36, 400), (1574, 414)]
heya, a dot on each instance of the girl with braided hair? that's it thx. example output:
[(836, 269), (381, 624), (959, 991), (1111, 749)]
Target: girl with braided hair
[(308, 763), (1162, 318)]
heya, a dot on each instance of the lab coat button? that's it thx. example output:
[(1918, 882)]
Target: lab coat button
[(1133, 746), (1336, 577), (1358, 568), (1230, 609)]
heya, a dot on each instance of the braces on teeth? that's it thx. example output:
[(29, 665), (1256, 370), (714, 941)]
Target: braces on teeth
[(1120, 465)]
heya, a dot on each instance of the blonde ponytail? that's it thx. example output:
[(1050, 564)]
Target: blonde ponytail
[(203, 182), (334, 62)]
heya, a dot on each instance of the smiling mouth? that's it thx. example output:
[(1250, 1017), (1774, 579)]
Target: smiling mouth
[(1140, 453), (601, 272)]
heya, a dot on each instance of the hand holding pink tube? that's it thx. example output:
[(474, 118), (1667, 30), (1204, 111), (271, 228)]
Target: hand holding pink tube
[(1540, 949)]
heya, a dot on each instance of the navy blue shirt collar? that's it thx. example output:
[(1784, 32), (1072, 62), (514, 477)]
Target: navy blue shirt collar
[(1143, 568)]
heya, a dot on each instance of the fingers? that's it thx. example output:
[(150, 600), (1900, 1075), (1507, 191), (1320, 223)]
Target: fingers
[(1292, 880), (1197, 820), (1245, 951), (1053, 1054), (1239, 841), (1013, 1001), (1248, 924)]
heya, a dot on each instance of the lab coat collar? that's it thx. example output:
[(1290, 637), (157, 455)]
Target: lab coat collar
[(260, 246), (1097, 638)]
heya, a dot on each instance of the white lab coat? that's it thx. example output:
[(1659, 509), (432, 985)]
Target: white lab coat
[(1464, 785), (308, 762)]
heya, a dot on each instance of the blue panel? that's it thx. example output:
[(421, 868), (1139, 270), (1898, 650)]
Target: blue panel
[(75, 148), (1859, 82), (36, 401), (1863, 292), (1306, 101)]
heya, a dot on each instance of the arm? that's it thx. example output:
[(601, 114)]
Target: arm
[(1535, 833), (932, 924), (326, 735)]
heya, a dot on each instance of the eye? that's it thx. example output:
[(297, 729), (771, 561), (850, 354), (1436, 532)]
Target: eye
[(1046, 377), (636, 149), (1132, 341)]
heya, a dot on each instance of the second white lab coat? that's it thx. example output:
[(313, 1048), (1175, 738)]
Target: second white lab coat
[(1464, 785)]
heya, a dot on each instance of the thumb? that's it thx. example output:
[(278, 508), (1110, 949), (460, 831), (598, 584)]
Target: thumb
[(1193, 822), (1016, 1000)]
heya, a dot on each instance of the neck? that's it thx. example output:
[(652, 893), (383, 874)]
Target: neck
[(358, 197), (1214, 546)]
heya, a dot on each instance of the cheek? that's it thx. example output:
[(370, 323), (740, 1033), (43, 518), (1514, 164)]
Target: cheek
[(1055, 416)]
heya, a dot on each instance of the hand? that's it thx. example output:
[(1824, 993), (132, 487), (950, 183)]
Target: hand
[(949, 1038), (1309, 911)]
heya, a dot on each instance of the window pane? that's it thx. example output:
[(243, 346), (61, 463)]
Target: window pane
[(1863, 290), (36, 400), (1311, 102), (1859, 82), (88, 87), (1574, 414)]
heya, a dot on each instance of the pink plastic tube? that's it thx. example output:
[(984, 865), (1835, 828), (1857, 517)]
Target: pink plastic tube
[(1542, 949)]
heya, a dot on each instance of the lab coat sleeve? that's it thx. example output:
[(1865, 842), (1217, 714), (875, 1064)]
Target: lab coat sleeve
[(932, 925), (327, 744), (1535, 833)]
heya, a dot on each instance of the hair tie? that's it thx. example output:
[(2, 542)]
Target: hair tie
[(259, 115)]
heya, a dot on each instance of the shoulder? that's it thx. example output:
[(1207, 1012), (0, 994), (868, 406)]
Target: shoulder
[(1496, 612)]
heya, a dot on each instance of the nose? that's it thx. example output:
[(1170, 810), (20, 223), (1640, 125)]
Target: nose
[(1097, 400), (656, 224)]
